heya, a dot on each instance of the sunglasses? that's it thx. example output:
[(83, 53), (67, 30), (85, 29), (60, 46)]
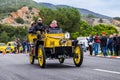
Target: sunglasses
[(39, 20)]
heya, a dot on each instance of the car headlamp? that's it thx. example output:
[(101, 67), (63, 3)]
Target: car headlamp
[(62, 41), (67, 35)]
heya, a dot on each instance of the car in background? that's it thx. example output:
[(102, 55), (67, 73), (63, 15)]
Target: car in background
[(4, 47), (13, 46), (83, 42)]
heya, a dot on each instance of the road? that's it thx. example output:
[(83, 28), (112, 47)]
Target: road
[(17, 67)]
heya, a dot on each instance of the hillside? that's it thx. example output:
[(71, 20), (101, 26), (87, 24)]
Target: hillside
[(84, 12), (25, 13), (8, 6)]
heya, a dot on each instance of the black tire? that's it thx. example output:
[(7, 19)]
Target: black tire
[(31, 57), (41, 56), (61, 60), (78, 58)]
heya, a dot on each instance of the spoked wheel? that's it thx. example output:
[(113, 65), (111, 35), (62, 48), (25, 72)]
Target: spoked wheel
[(31, 57), (78, 58), (61, 60), (41, 56)]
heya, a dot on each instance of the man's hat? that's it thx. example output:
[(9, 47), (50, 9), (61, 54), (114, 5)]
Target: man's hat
[(104, 32)]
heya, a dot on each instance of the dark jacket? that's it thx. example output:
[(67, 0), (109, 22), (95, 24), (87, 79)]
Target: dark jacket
[(40, 27), (110, 42), (118, 40), (103, 41), (37, 27), (115, 40), (32, 30)]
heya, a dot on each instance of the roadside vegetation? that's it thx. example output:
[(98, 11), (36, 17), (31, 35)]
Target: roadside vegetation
[(10, 33)]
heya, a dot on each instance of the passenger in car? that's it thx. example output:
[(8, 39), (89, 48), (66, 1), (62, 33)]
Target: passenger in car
[(54, 28), (53, 24)]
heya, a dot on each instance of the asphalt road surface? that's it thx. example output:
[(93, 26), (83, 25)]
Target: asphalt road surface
[(17, 67)]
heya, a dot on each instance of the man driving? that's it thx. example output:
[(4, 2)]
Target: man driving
[(38, 26)]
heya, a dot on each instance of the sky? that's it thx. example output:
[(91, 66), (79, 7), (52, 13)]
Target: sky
[(106, 7)]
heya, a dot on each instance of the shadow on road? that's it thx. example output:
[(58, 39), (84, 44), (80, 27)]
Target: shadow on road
[(58, 66), (53, 66)]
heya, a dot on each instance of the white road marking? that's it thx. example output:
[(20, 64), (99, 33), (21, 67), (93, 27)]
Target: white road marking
[(102, 70)]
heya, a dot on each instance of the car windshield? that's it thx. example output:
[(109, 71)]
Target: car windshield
[(55, 30), (2, 44)]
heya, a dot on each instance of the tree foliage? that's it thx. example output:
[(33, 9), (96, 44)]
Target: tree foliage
[(109, 29), (91, 16), (19, 20), (117, 18), (4, 37), (9, 33)]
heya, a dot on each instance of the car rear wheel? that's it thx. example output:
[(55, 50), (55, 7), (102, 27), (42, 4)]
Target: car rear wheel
[(78, 57), (41, 56)]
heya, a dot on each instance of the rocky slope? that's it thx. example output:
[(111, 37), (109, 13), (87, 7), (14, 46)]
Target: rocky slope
[(25, 13)]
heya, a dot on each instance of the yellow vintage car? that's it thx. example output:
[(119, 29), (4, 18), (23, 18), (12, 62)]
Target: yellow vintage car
[(4, 47), (13, 46), (54, 45)]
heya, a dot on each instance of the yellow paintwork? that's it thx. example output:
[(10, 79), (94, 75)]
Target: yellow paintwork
[(2, 47), (31, 37), (51, 40), (31, 57)]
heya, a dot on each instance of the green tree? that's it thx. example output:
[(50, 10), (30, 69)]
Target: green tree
[(69, 19), (4, 37), (9, 33), (117, 18), (74, 35), (109, 29), (85, 29), (47, 15), (19, 20), (91, 16)]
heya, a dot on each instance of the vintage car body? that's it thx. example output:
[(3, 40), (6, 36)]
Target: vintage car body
[(55, 45)]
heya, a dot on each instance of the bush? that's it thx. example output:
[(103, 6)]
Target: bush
[(19, 20), (9, 33)]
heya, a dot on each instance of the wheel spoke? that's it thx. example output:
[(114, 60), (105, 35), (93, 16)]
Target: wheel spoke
[(77, 57), (40, 56)]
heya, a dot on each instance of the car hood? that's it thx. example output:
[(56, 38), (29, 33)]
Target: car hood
[(55, 36)]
